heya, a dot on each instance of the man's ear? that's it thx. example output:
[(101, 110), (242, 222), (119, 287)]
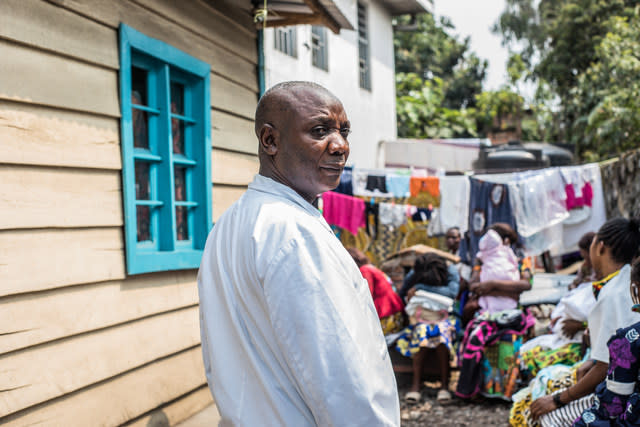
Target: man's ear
[(600, 248), (269, 138)]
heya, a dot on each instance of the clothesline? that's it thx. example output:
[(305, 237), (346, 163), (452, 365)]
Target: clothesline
[(550, 208)]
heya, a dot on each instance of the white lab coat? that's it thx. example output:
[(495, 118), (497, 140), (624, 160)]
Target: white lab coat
[(290, 335)]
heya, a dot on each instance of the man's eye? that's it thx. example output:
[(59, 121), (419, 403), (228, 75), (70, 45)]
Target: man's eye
[(345, 132), (319, 131)]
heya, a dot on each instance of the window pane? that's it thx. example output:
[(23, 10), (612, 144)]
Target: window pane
[(143, 216), (177, 136), (182, 223), (177, 98), (180, 181), (143, 184), (138, 86), (140, 133)]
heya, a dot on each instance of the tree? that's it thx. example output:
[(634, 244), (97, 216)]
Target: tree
[(558, 40), (421, 113), (430, 51), (606, 99)]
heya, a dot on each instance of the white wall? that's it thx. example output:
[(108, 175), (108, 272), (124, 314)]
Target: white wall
[(372, 113)]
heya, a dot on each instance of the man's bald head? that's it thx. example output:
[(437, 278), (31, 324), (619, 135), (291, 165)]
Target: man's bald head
[(276, 102)]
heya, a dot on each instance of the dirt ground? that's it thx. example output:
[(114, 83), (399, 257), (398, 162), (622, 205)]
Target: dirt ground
[(457, 413)]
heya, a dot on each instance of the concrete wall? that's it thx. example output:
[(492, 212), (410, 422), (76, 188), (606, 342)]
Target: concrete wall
[(372, 113)]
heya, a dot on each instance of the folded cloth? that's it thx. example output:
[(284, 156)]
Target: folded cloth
[(344, 211)]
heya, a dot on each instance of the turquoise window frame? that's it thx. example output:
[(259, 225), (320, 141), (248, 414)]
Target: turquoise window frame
[(164, 65)]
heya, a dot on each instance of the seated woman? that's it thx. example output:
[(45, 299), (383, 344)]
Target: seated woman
[(388, 304), (486, 288), (618, 397), (568, 322), (496, 298), (429, 341), (611, 251)]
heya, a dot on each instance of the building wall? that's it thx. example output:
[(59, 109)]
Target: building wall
[(81, 342), (372, 113)]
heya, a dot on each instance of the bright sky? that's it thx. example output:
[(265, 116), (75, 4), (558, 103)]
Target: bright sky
[(475, 18)]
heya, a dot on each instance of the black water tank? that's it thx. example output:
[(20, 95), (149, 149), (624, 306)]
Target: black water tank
[(510, 156)]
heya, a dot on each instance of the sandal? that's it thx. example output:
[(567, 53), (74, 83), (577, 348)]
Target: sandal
[(444, 397), (412, 397)]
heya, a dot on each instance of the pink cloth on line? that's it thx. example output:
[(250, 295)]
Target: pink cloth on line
[(344, 211), (577, 202)]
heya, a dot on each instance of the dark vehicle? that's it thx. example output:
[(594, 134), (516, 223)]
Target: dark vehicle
[(518, 156)]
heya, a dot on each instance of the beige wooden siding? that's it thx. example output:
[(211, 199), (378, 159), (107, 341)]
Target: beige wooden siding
[(32, 136), (176, 411), (62, 197), (123, 398), (95, 306), (82, 343)]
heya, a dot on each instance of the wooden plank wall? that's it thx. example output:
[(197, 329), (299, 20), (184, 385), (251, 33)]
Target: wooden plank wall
[(82, 343)]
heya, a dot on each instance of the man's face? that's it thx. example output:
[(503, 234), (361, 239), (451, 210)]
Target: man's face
[(313, 143), (453, 240)]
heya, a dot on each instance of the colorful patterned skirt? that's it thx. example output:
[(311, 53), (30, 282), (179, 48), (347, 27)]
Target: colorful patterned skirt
[(423, 335), (549, 381), (537, 358)]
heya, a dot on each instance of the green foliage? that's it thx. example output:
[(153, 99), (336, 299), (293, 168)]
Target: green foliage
[(581, 53), (429, 51), (606, 99), (494, 108), (421, 113)]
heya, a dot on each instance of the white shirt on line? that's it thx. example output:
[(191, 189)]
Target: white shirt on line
[(290, 335)]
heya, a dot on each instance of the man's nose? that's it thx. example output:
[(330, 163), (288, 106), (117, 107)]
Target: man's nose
[(338, 144)]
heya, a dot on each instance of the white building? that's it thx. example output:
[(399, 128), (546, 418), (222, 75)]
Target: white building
[(357, 66)]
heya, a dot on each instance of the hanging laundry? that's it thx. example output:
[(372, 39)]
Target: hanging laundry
[(371, 212), (422, 214), (398, 185), (488, 203), (596, 214), (454, 205), (537, 200), (376, 183), (429, 184), (364, 186), (583, 198), (344, 211), (392, 214), (539, 207), (346, 185)]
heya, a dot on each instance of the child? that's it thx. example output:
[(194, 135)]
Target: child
[(499, 262)]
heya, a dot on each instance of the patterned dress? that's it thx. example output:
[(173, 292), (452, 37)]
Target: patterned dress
[(617, 399)]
